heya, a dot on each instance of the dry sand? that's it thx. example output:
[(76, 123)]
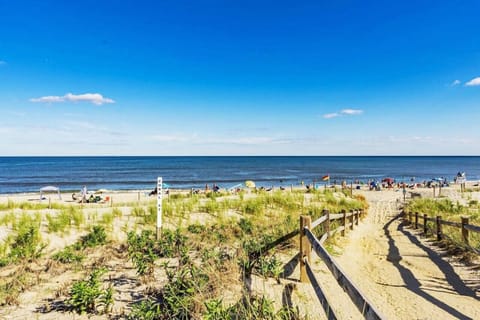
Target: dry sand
[(403, 274)]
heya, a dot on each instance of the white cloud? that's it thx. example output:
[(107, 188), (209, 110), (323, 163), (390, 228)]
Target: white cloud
[(95, 98), (351, 112), (455, 83), (331, 115), (341, 113), (48, 99), (473, 82)]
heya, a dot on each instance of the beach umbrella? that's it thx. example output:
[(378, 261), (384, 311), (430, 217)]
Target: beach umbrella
[(101, 191), (250, 184), (388, 180)]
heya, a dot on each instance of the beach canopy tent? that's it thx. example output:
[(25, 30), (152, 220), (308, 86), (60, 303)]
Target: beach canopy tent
[(50, 189), (388, 180)]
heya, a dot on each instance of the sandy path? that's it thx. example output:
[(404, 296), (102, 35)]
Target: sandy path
[(403, 276)]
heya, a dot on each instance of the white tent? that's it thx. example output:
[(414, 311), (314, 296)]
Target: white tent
[(50, 189)]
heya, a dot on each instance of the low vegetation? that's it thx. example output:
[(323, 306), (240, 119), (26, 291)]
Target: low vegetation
[(207, 242), (450, 211), (90, 296)]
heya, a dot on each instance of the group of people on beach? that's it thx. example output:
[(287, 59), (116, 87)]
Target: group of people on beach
[(85, 197)]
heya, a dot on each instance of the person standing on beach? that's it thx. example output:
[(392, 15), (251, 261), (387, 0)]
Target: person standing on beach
[(84, 193)]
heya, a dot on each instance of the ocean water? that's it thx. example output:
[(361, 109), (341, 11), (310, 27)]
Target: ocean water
[(29, 174)]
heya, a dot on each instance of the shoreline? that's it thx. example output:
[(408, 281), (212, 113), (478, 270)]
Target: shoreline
[(122, 195)]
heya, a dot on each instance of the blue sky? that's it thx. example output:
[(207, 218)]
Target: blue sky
[(239, 77)]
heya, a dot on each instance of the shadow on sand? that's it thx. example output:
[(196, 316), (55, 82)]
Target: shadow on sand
[(413, 284)]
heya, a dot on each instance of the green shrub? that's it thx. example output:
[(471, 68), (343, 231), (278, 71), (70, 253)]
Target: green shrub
[(95, 238), (216, 310), (196, 228), (26, 243), (68, 255), (270, 267), (246, 225), (170, 243), (146, 310), (87, 295), (141, 250), (178, 294)]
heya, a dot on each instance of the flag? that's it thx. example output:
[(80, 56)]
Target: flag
[(326, 178)]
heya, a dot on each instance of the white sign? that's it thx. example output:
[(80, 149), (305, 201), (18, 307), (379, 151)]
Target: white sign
[(159, 201)]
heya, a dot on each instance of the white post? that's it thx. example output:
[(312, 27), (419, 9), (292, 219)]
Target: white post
[(159, 206)]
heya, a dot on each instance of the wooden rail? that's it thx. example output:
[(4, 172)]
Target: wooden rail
[(320, 295), (269, 246), (308, 241), (464, 226)]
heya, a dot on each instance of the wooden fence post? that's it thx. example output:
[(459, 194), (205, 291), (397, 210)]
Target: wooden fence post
[(439, 228), (327, 222), (357, 213), (433, 191), (425, 224), (305, 247), (410, 219), (344, 222), (416, 220), (464, 231), (352, 212)]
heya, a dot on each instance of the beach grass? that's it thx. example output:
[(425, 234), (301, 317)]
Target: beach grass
[(207, 241), (451, 211)]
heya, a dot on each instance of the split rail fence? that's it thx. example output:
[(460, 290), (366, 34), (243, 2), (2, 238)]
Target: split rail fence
[(309, 241), (463, 225)]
